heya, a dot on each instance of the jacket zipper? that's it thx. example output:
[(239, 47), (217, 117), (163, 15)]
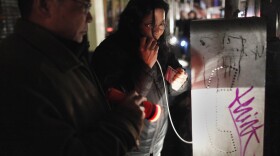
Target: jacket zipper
[(154, 138), (159, 122)]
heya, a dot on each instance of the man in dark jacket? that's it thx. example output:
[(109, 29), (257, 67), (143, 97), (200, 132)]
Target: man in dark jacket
[(50, 102)]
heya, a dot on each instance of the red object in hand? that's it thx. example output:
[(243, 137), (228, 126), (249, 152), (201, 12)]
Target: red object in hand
[(152, 111)]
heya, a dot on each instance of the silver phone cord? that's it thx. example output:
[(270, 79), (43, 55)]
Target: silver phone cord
[(167, 104)]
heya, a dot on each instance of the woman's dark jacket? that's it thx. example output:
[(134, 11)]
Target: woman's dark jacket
[(50, 104), (118, 65)]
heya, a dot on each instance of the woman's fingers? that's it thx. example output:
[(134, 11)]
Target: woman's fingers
[(149, 51)]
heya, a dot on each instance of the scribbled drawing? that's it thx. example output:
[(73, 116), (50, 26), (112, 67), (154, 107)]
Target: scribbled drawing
[(258, 52), (225, 59), (209, 43)]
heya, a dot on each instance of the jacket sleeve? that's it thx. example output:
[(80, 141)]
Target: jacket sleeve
[(31, 125), (106, 62)]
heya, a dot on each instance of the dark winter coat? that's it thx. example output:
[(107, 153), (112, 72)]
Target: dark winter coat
[(50, 104), (118, 66)]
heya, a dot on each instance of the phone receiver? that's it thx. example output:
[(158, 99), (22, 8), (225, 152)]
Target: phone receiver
[(152, 111)]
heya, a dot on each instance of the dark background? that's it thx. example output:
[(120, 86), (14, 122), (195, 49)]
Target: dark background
[(181, 114)]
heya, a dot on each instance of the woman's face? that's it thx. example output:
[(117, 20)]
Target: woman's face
[(147, 27)]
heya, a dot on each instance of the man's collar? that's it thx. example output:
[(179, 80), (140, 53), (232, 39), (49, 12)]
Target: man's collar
[(48, 44)]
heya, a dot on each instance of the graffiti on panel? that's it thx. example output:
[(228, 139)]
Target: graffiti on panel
[(246, 124), (228, 66)]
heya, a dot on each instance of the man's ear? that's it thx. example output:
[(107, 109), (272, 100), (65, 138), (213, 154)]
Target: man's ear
[(42, 7)]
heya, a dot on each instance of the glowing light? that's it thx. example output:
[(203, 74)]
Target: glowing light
[(173, 40), (184, 43), (109, 29), (156, 114)]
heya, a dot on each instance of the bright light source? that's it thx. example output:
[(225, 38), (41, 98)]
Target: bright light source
[(241, 14), (184, 43), (173, 40)]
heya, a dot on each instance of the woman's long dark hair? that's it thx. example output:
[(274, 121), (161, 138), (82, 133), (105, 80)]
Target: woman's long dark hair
[(131, 19)]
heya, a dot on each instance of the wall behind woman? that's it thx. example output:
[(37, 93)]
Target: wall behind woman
[(96, 29)]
